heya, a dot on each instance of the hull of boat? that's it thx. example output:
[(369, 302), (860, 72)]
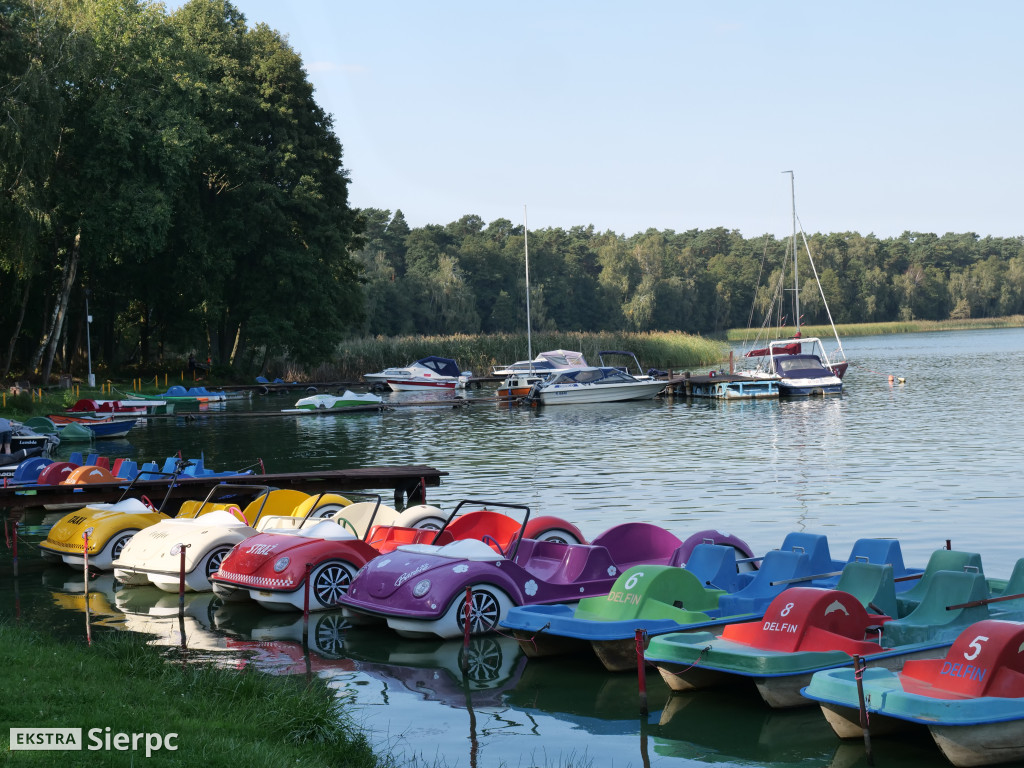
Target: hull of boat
[(604, 393), (982, 744), (809, 388), (413, 385)]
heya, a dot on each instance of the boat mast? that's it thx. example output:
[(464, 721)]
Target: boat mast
[(526, 247), (792, 245)]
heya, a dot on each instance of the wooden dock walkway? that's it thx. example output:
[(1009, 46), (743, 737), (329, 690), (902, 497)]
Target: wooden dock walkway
[(407, 482)]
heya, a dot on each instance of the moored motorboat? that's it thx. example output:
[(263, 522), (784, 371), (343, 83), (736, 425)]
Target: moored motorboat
[(594, 385), (543, 364), (426, 372), (971, 700)]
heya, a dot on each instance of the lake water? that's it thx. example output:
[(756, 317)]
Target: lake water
[(933, 459)]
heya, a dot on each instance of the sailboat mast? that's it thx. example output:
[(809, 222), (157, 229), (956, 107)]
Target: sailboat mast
[(526, 247), (796, 274)]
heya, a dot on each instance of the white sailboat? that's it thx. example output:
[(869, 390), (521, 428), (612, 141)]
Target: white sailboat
[(802, 364), (522, 375)]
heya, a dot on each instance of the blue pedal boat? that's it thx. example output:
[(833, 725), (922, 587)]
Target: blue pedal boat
[(708, 591)]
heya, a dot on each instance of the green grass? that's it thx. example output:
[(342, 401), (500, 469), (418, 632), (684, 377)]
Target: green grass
[(223, 717)]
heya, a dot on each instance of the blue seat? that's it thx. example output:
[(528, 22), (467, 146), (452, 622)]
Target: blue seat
[(28, 471), (75, 458), (262, 380), (715, 566), (816, 547), (778, 568)]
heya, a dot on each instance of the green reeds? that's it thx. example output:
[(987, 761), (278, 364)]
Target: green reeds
[(668, 351), (878, 329)]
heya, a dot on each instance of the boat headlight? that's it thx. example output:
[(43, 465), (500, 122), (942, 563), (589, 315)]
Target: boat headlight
[(281, 564), (421, 588)]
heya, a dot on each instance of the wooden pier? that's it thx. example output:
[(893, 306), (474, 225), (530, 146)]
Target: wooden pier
[(408, 483)]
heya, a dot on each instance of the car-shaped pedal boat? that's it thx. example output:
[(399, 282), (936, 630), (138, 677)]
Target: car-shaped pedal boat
[(714, 586), (208, 531), (273, 568), (808, 629), (971, 700), (102, 530), (427, 591)]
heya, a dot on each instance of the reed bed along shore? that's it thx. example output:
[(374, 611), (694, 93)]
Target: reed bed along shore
[(881, 329), (666, 351)]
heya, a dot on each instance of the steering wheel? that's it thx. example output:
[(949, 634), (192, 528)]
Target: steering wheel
[(493, 543), (346, 523), (145, 500)]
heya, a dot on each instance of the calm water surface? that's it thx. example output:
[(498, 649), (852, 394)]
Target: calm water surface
[(934, 458)]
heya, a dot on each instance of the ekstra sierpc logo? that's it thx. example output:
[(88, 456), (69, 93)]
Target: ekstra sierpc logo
[(96, 739)]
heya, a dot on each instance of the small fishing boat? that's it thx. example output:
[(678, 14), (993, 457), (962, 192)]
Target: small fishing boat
[(69, 426), (809, 629), (348, 399), (971, 700), (594, 385)]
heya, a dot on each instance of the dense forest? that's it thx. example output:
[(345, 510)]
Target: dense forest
[(171, 177)]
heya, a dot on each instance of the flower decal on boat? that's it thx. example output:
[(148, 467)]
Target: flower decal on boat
[(460, 568), (382, 563), (530, 587), (611, 570)]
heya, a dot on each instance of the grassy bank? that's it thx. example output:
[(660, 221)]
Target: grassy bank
[(222, 717)]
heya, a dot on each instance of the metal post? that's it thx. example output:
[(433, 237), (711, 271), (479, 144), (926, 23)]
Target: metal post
[(88, 340), (467, 614), (181, 580), (14, 565), (858, 673), (305, 606), (641, 673)]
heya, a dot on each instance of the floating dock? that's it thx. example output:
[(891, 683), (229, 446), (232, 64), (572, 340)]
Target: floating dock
[(409, 484)]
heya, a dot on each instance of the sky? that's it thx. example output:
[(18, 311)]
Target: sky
[(893, 116)]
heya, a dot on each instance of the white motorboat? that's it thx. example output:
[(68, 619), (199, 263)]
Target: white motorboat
[(594, 385), (427, 372), (544, 363)]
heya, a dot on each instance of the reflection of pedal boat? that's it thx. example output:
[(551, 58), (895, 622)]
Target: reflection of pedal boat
[(433, 669), (721, 725), (69, 594)]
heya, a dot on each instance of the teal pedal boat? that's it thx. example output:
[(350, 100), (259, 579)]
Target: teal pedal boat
[(809, 629), (971, 700)]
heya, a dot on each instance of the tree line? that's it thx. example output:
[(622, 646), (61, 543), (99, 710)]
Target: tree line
[(173, 172), (469, 277)]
